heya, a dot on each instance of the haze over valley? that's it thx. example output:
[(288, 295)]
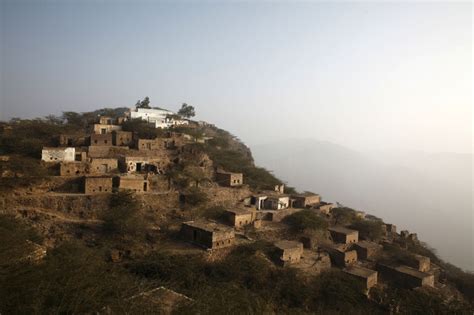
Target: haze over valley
[(430, 194)]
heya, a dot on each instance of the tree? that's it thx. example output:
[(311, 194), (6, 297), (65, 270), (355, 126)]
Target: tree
[(343, 215), (371, 230), (306, 220), (143, 104), (187, 111), (123, 216)]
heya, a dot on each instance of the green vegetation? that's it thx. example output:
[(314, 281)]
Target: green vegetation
[(368, 229), (195, 196), (306, 220), (143, 104), (343, 215), (187, 111), (123, 216)]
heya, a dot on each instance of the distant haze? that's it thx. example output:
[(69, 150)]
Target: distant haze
[(430, 194), (366, 75)]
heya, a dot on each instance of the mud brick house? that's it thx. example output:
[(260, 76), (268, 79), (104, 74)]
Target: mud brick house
[(406, 277), (366, 276), (103, 166), (123, 138), (288, 252), (106, 120), (420, 263), (276, 202), (305, 200), (104, 129), (102, 139), (240, 217), (134, 183), (208, 234), (56, 155), (137, 161), (366, 249), (229, 179), (73, 169), (343, 235), (341, 257), (97, 184), (325, 208)]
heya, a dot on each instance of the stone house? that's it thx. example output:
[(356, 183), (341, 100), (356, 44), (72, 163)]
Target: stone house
[(405, 276), (325, 208), (420, 263), (288, 252), (103, 166), (391, 228), (123, 138), (366, 249), (366, 276), (240, 217), (106, 120), (276, 202), (104, 129), (102, 139), (98, 184), (208, 234), (154, 163), (341, 257), (343, 235), (56, 155), (134, 183), (305, 200), (73, 169), (229, 179)]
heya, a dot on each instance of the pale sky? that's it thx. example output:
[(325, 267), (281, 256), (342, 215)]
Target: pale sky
[(371, 76)]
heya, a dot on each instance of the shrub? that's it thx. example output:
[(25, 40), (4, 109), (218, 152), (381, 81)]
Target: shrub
[(306, 220), (123, 216), (371, 230)]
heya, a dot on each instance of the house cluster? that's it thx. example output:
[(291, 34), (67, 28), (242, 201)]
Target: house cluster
[(110, 158), (342, 249)]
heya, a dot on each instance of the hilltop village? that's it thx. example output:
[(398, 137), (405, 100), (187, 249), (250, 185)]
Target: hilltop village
[(195, 203)]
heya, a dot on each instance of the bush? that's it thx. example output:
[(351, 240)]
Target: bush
[(370, 230), (194, 196), (306, 220), (123, 216), (343, 215)]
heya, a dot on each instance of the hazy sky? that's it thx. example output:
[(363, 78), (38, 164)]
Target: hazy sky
[(367, 75)]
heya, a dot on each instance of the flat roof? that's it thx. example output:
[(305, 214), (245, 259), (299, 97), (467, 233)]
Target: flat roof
[(288, 244), (228, 173), (306, 194), (367, 244), (342, 230), (360, 271), (209, 226), (412, 272), (239, 211)]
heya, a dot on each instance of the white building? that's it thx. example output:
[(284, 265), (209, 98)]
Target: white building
[(158, 117), (58, 154)]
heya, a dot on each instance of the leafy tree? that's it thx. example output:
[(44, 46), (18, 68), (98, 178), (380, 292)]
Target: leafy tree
[(187, 111), (142, 128), (123, 216), (194, 196), (343, 215), (306, 220), (371, 230), (143, 104)]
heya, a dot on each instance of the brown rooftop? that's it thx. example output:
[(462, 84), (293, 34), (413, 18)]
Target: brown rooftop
[(342, 230), (209, 226), (412, 272), (287, 244), (239, 211), (367, 244), (360, 271)]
